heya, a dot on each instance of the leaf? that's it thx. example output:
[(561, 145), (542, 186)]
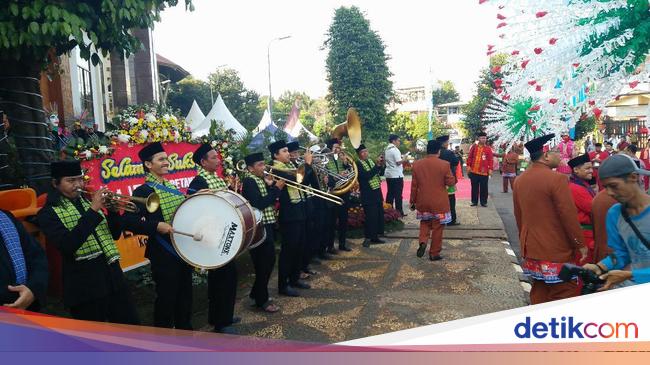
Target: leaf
[(34, 28), (95, 59), (13, 8)]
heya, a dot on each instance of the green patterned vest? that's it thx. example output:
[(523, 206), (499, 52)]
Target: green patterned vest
[(168, 202), (375, 181), (70, 216), (294, 194), (214, 181), (268, 214)]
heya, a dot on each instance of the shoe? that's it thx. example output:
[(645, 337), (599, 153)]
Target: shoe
[(484, 205), (366, 243), (343, 248), (421, 249), (289, 291), (228, 330), (435, 258), (269, 307), (473, 204), (453, 224), (505, 192), (300, 285), (236, 320), (332, 251), (377, 240)]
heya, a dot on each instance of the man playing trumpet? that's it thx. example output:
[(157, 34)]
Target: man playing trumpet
[(172, 276), (94, 287), (222, 282)]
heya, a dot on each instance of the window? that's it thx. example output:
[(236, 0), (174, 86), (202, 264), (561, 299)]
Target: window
[(85, 89)]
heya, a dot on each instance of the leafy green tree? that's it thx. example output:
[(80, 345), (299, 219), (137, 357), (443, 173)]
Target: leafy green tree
[(357, 70), (244, 104), (184, 92), (409, 128), (473, 123), (445, 93), (33, 33)]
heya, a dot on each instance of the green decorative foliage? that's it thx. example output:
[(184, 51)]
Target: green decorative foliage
[(357, 71), (444, 93), (243, 103), (184, 92)]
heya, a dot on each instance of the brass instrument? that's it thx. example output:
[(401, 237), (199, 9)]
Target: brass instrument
[(127, 203), (351, 128), (300, 174)]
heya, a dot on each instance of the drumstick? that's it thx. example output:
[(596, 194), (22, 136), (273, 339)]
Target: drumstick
[(196, 237)]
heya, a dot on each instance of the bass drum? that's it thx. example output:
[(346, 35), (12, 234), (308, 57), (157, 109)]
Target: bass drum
[(260, 230), (225, 221)]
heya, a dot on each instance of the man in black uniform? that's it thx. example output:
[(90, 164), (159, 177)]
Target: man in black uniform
[(222, 282), (94, 287), (262, 192), (371, 198), (23, 272), (293, 227), (171, 275), (338, 163), (449, 156)]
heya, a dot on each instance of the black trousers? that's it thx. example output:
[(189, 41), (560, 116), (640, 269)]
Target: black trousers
[(173, 306), (452, 207), (337, 222), (316, 225), (222, 294), (263, 257), (395, 186), (373, 209), (116, 307), (293, 240), (479, 187)]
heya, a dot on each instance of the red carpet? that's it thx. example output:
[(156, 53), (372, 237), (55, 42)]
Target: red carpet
[(463, 192)]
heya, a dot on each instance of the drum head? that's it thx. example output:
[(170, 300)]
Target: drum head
[(260, 231), (219, 224)]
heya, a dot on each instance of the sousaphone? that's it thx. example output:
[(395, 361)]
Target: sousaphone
[(351, 128)]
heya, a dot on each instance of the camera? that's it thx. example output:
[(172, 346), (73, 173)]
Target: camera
[(591, 281)]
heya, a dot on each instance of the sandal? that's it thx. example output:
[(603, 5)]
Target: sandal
[(304, 275), (270, 308)]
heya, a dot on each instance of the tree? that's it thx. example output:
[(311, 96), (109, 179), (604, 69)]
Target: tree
[(33, 34), (244, 104), (357, 70), (473, 111), (445, 93), (183, 93), (414, 128)]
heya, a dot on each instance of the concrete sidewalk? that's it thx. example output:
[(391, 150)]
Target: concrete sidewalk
[(386, 288)]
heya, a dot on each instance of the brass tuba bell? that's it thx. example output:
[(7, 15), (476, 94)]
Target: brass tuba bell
[(351, 128)]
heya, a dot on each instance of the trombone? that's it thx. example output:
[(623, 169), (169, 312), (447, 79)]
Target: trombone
[(127, 203), (241, 167)]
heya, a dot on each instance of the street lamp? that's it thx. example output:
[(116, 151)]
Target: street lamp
[(268, 59)]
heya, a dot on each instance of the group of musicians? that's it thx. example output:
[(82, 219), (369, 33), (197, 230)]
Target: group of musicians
[(84, 230)]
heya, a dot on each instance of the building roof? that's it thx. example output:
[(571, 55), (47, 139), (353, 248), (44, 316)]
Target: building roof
[(170, 69), (452, 104)]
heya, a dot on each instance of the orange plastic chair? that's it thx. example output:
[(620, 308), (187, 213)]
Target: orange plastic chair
[(20, 202)]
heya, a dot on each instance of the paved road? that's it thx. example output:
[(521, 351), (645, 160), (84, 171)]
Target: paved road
[(503, 205)]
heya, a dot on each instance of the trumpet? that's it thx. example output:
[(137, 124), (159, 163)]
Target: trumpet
[(127, 203), (299, 173)]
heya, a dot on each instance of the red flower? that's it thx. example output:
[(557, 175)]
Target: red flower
[(597, 112), (498, 82), (505, 97), (496, 69), (633, 84), (502, 24), (591, 102), (490, 52), (532, 82), (533, 128), (552, 100), (538, 50), (500, 17), (540, 14), (552, 41), (481, 1), (530, 122), (490, 46), (514, 53), (538, 88), (499, 91), (576, 64), (523, 64), (534, 108)]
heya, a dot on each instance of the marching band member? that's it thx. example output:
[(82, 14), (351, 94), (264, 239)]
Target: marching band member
[(262, 192), (337, 164), (172, 276), (293, 228), (371, 198), (94, 287), (222, 282)]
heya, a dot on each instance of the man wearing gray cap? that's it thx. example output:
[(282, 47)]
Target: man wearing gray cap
[(628, 224)]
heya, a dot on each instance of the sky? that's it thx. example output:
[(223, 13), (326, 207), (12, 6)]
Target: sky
[(426, 40)]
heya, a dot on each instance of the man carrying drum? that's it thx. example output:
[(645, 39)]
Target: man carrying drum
[(262, 192), (222, 282), (94, 287), (172, 276)]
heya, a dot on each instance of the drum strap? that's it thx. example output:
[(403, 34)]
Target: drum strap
[(167, 246)]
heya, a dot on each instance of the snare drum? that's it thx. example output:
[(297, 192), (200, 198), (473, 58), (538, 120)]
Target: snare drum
[(225, 220)]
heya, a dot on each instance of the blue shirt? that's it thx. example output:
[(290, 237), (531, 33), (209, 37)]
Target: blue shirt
[(626, 245)]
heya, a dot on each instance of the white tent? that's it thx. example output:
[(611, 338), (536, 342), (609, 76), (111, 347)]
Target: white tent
[(298, 129), (195, 116), (264, 122), (221, 114)]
